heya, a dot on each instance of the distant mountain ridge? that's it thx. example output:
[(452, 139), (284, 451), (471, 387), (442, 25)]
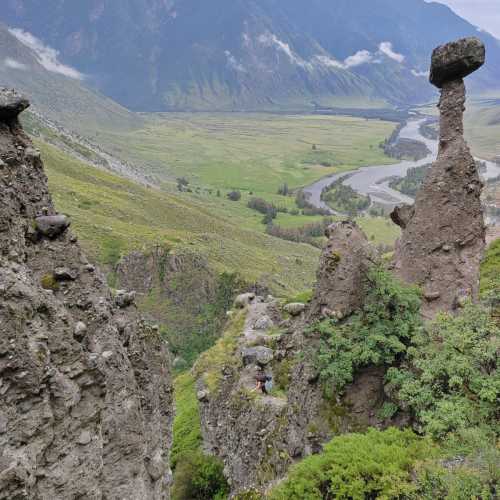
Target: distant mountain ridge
[(154, 55)]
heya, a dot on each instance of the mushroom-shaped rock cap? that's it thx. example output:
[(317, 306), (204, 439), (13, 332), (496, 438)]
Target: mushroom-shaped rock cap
[(11, 104), (456, 60)]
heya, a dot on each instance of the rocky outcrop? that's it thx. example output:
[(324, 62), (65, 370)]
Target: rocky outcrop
[(443, 236), (85, 394), (258, 436), (341, 278)]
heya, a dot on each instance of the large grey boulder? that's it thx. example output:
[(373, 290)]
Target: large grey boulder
[(342, 273), (257, 356), (11, 104), (456, 60), (51, 226), (443, 237)]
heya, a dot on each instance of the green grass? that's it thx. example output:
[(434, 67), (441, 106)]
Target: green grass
[(379, 230), (113, 216), (490, 270), (251, 152), (187, 429), (210, 363), (482, 129)]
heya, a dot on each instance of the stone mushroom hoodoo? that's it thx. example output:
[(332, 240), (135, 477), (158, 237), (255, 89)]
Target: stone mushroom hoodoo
[(85, 386), (443, 237)]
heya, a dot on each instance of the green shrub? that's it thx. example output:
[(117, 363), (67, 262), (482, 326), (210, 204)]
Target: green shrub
[(377, 335), (358, 466), (49, 282), (452, 380), (199, 477)]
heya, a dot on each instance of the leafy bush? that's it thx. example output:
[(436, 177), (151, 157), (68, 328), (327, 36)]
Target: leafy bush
[(452, 381), (358, 466), (199, 477), (376, 335)]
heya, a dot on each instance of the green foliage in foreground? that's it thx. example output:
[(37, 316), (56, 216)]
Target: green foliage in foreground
[(452, 381), (196, 476), (396, 464), (376, 335), (358, 466)]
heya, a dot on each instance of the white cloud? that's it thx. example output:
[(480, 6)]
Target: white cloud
[(329, 62), (422, 74), (13, 64), (361, 57), (233, 63), (269, 40), (47, 56), (386, 49)]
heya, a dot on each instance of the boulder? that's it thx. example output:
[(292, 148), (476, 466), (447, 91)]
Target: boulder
[(65, 274), (244, 300), (456, 60), (124, 299), (259, 355), (295, 308), (51, 226), (11, 104), (402, 214), (263, 323)]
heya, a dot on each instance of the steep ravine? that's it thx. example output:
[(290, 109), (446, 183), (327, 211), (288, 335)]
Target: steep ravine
[(85, 386)]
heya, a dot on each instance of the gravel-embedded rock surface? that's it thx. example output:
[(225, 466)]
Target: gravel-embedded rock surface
[(85, 386), (341, 279), (443, 237)]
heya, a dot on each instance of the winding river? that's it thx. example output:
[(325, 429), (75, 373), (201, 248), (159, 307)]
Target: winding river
[(369, 181)]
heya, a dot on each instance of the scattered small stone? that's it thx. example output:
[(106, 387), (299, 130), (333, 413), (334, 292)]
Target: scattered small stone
[(202, 395), (80, 330), (84, 438)]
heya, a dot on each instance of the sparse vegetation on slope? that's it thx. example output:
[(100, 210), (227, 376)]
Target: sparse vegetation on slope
[(113, 216)]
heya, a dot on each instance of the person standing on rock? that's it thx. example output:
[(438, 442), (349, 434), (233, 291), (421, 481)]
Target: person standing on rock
[(264, 382)]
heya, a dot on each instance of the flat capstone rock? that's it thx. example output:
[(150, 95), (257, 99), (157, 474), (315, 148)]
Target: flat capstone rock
[(456, 60)]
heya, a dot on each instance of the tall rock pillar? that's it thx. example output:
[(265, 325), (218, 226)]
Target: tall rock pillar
[(443, 237)]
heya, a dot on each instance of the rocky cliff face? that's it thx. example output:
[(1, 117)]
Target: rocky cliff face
[(443, 237), (85, 394), (258, 436), (341, 277)]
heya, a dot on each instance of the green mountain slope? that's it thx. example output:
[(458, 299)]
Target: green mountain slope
[(153, 55), (65, 100), (113, 216)]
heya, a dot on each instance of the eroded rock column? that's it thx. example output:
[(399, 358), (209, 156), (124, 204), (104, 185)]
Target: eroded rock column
[(343, 267), (443, 237)]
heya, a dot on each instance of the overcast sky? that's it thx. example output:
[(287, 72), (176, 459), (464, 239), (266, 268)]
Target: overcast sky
[(482, 13)]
